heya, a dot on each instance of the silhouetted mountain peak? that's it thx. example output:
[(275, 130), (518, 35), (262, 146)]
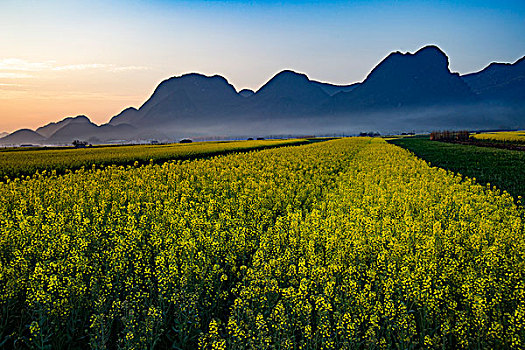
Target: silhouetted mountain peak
[(128, 115), (427, 60), (195, 80), (26, 132), (180, 97), (286, 78), (402, 79), (50, 128), (22, 136), (289, 83), (80, 119), (288, 93), (290, 74), (431, 50)]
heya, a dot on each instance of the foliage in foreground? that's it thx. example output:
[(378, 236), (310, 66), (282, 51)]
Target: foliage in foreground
[(17, 162), (349, 243)]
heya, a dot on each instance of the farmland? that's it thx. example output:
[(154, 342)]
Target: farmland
[(508, 136), (500, 167), (16, 162), (351, 243)]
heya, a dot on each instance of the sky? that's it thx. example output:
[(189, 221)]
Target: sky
[(66, 58)]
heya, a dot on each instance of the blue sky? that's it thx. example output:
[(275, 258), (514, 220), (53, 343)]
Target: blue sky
[(61, 58)]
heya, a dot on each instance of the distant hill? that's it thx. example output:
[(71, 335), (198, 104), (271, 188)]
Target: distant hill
[(407, 80), (503, 82), (69, 129), (23, 136), (288, 94), (2, 134), (49, 129), (189, 98), (80, 130), (404, 92), (197, 103), (84, 129)]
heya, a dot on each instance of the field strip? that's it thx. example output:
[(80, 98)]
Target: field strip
[(350, 243), (164, 239), (400, 254), (22, 162)]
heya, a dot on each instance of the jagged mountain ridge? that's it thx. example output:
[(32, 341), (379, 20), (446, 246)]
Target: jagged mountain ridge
[(405, 90)]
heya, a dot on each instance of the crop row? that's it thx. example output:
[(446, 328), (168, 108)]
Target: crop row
[(26, 162), (349, 243)]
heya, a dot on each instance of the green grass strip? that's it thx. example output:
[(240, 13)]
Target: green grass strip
[(500, 167)]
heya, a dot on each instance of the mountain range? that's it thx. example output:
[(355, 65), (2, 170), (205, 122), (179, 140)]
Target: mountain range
[(404, 92)]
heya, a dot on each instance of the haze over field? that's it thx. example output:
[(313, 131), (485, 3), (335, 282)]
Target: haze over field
[(95, 59)]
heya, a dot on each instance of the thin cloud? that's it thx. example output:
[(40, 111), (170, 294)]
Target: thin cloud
[(13, 75), (16, 64), (128, 68), (81, 66), (10, 66)]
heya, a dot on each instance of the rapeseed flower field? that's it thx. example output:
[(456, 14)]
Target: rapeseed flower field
[(511, 136), (345, 244), (17, 162)]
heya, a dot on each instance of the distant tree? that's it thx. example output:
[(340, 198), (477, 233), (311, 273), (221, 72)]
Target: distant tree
[(447, 135), (250, 138), (79, 144), (185, 141), (370, 134)]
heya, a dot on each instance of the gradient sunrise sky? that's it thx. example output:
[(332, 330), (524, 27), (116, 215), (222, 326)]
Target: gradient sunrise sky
[(65, 58)]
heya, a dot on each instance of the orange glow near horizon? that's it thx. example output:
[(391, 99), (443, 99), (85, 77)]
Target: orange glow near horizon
[(65, 58), (32, 113), (34, 94)]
